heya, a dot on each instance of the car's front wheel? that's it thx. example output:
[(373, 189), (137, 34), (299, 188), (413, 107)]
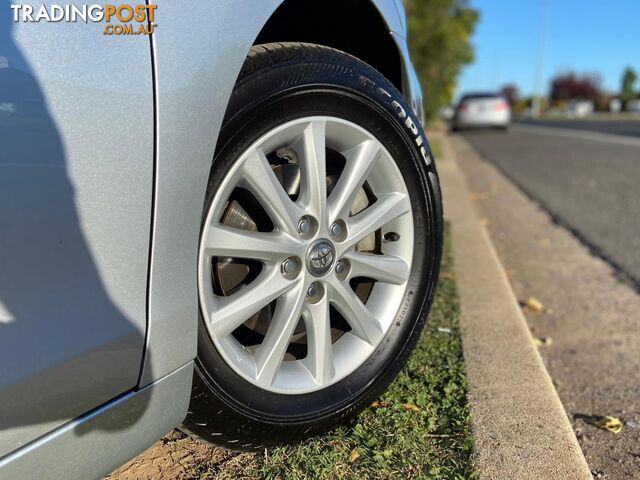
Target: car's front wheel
[(319, 252)]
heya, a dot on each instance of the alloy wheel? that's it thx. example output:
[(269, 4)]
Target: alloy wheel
[(305, 254)]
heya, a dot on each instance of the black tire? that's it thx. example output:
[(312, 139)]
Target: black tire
[(279, 82)]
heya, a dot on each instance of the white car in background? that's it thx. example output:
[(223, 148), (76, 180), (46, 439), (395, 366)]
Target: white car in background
[(482, 110), (580, 108)]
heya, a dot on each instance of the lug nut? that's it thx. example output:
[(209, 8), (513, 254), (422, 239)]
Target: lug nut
[(342, 269), (312, 291), (336, 230), (315, 292), (290, 268), (304, 226)]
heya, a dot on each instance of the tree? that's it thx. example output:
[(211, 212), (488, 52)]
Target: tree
[(627, 91), (439, 32), (568, 86), (510, 92)]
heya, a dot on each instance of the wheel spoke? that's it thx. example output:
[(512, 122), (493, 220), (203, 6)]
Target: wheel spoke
[(384, 268), (362, 322), (387, 208), (359, 162), (230, 312), (313, 173), (270, 353), (258, 176), (224, 241), (320, 350)]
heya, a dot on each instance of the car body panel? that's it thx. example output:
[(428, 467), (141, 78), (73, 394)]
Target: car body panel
[(96, 443), (192, 95), (390, 11), (410, 83), (76, 167)]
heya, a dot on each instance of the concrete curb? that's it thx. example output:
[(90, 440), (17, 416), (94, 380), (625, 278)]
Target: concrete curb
[(520, 428)]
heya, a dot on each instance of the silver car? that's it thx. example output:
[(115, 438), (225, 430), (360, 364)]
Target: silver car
[(482, 110), (222, 216)]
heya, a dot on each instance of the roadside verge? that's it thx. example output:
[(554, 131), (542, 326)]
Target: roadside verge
[(520, 428)]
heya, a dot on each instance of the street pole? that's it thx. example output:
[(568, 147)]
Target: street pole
[(536, 104)]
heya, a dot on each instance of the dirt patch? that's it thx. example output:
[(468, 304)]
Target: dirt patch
[(180, 457)]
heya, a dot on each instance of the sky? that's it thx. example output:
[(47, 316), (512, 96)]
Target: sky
[(585, 36)]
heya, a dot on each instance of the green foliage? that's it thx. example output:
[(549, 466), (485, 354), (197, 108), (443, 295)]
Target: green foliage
[(439, 41), (627, 90), (419, 428)]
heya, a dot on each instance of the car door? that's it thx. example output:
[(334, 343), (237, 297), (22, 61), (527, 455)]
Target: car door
[(76, 176)]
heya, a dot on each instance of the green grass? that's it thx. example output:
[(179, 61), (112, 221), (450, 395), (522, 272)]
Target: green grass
[(435, 147), (418, 429)]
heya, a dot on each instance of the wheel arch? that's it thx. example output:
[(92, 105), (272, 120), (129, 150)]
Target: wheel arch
[(356, 27)]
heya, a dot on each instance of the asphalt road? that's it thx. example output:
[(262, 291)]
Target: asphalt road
[(587, 181), (629, 128)]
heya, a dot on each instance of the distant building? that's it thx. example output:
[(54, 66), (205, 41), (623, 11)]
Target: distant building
[(633, 105)]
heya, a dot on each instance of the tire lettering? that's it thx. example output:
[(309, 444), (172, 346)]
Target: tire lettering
[(387, 99), (399, 110)]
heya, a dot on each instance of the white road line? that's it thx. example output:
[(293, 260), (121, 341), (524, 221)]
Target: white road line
[(577, 134)]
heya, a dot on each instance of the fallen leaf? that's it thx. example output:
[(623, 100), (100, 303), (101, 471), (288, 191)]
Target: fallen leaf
[(379, 404), (484, 221), (534, 304), (411, 406), (606, 422), (542, 341), (446, 275), (475, 196), (353, 455), (612, 424)]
